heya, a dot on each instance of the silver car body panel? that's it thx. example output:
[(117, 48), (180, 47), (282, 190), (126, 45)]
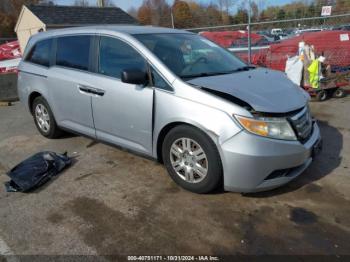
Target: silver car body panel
[(72, 108), (263, 89), (123, 115), (261, 158), (134, 116)]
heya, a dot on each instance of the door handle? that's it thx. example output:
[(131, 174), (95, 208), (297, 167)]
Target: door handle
[(98, 92), (84, 89), (91, 90)]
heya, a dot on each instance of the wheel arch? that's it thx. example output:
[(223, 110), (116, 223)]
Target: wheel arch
[(31, 98), (166, 129)]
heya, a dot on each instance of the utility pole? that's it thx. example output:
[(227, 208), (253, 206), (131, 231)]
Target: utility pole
[(172, 16), (249, 34)]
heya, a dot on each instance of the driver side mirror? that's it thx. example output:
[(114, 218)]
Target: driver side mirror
[(134, 76)]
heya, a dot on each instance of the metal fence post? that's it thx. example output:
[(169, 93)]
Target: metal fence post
[(249, 34)]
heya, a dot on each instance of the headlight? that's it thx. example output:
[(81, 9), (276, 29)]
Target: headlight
[(272, 127)]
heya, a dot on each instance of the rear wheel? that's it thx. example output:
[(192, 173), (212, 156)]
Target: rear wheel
[(339, 93), (192, 159), (44, 119)]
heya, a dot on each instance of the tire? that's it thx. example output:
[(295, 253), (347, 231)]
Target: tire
[(45, 121), (322, 95), (339, 93), (196, 172)]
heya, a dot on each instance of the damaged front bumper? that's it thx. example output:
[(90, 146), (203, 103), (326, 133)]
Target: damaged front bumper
[(252, 163)]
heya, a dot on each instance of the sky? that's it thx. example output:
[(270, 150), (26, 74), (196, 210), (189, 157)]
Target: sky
[(126, 4)]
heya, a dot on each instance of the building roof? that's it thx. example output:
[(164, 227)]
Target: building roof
[(79, 15)]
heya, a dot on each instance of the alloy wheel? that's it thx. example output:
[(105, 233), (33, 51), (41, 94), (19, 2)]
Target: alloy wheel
[(188, 160), (42, 118)]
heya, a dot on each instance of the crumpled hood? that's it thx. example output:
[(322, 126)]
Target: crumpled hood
[(265, 90)]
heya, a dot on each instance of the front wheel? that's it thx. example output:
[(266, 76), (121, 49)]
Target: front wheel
[(192, 159), (322, 95)]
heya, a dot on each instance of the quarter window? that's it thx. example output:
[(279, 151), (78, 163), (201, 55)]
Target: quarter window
[(116, 56), (73, 52), (159, 82), (40, 53)]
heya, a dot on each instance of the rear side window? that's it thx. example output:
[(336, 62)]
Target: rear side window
[(40, 53), (116, 56), (73, 52)]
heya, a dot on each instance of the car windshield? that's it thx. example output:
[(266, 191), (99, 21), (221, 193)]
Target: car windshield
[(190, 55)]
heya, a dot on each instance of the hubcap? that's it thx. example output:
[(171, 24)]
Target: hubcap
[(189, 160), (338, 92), (42, 118)]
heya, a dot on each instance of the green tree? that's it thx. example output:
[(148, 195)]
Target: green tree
[(281, 14), (298, 13), (241, 15), (311, 10)]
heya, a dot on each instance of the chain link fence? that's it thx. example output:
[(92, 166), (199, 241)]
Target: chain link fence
[(272, 42)]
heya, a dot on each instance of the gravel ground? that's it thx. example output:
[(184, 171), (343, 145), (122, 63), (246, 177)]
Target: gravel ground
[(114, 202)]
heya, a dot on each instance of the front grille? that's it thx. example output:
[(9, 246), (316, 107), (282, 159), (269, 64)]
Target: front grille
[(302, 124)]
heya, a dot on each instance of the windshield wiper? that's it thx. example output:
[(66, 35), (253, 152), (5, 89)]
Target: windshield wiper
[(243, 68), (207, 74)]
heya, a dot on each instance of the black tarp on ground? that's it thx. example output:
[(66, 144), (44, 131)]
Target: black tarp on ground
[(36, 171)]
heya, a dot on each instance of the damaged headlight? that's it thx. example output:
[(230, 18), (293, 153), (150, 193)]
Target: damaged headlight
[(272, 127)]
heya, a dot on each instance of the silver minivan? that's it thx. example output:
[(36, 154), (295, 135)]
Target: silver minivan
[(174, 96)]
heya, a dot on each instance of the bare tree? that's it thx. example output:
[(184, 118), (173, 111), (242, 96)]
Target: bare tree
[(133, 12), (108, 3), (155, 12), (47, 2), (9, 11), (81, 2), (5, 6), (226, 5), (105, 3), (224, 8), (261, 4), (254, 9)]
